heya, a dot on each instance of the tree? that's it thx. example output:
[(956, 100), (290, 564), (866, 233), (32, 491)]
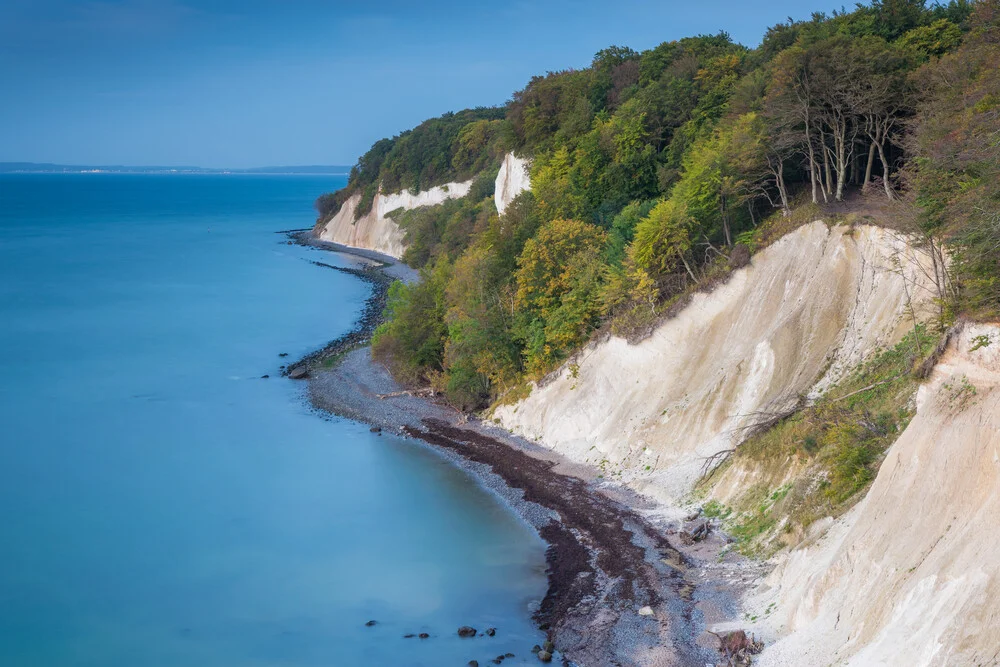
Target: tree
[(411, 341), (558, 281), (663, 240), (880, 96), (934, 40), (791, 103), (956, 177), (895, 17)]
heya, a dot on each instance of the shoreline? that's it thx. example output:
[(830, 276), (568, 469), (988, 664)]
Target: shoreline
[(380, 273), (619, 591)]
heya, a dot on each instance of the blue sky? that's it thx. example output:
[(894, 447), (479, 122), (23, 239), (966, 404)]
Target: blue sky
[(222, 83)]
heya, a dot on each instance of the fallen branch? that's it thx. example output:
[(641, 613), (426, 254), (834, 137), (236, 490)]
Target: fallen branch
[(710, 463), (871, 386)]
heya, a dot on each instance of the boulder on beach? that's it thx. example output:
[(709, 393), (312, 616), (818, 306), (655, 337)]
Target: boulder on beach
[(298, 373)]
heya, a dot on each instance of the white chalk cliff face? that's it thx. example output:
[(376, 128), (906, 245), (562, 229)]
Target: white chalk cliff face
[(376, 230), (911, 575), (512, 179), (810, 307)]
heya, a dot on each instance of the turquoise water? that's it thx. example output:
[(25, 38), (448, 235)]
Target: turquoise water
[(161, 504)]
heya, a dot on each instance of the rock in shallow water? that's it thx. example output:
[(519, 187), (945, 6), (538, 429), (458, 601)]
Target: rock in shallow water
[(370, 623), (466, 631)]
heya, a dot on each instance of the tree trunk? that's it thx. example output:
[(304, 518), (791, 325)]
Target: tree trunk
[(885, 172), (826, 167), (688, 267), (812, 161), (868, 169), (782, 190), (725, 221)]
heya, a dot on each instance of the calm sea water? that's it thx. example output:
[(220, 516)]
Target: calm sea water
[(160, 504)]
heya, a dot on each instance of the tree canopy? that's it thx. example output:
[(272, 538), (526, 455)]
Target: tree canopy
[(652, 172)]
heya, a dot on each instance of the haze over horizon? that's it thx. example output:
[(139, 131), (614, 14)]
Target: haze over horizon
[(225, 84)]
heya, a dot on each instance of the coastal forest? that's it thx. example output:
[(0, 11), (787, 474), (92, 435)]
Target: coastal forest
[(655, 174)]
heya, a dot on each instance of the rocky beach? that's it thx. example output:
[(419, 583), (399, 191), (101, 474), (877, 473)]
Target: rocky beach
[(628, 585)]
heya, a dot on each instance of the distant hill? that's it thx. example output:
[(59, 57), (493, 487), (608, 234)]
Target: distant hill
[(49, 168)]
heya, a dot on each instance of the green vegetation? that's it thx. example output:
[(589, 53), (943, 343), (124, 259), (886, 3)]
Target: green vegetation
[(455, 146), (656, 173), (817, 460)]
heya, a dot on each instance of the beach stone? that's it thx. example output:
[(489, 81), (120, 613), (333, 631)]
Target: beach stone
[(466, 631), (423, 635), (375, 429), (545, 656), (548, 646), (298, 373), (646, 611), (371, 623), (491, 631), (536, 648), (508, 655)]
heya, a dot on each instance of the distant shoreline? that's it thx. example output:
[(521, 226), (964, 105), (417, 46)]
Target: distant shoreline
[(46, 168)]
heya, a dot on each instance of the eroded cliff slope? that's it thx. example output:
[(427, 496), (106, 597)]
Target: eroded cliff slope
[(910, 576), (808, 308), (513, 178), (377, 231)]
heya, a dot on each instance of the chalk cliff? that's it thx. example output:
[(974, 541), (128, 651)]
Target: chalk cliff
[(910, 576), (810, 307), (377, 231), (513, 178)]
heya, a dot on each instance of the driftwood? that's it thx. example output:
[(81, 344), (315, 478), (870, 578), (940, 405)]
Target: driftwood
[(738, 649), (423, 393)]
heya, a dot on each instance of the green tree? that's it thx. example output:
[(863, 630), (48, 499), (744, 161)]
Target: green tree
[(558, 284)]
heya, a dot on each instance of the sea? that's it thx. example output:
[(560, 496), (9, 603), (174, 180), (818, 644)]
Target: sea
[(162, 503)]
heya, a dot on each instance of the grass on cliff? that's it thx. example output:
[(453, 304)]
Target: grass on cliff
[(816, 462)]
